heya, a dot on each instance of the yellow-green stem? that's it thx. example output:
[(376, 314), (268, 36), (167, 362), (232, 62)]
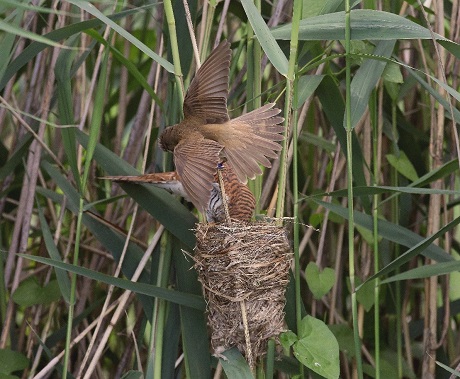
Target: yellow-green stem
[(169, 13), (375, 213), (351, 223)]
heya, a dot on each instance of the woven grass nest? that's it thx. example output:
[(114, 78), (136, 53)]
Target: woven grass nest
[(244, 270)]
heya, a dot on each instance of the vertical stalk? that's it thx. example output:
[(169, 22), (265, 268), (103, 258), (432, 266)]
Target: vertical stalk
[(253, 91), (270, 368), (351, 221), (160, 309), (290, 120), (169, 13), (395, 212), (295, 186), (297, 14), (375, 216)]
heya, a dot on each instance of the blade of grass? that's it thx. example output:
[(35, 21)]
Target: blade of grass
[(391, 232), (417, 249), (443, 268), (266, 40), (20, 32), (65, 107), (88, 7), (62, 278), (181, 298), (31, 51)]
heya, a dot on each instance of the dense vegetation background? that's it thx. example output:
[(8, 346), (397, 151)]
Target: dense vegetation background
[(371, 115)]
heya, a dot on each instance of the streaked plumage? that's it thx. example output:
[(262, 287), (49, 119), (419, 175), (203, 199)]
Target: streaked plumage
[(207, 136), (240, 200)]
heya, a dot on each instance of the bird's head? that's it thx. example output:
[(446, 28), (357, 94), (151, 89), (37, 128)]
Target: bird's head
[(168, 139)]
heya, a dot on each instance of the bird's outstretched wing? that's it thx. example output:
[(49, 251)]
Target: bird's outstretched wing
[(196, 163), (249, 140), (206, 97)]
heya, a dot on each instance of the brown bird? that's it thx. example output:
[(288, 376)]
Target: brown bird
[(239, 198), (207, 136)]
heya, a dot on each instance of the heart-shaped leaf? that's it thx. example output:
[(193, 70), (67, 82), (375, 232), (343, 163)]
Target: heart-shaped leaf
[(30, 293), (319, 282), (317, 348)]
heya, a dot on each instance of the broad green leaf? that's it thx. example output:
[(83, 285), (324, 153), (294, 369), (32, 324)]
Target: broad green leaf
[(234, 365), (366, 24), (266, 40), (171, 342), (313, 8), (365, 80), (319, 282), (31, 293), (345, 338), (287, 339), (193, 321), (188, 300), (133, 374), (318, 141), (307, 85), (365, 295), (11, 361), (403, 165), (392, 73), (323, 357), (334, 109)]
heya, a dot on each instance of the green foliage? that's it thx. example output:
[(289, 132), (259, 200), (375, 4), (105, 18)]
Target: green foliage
[(316, 347), (11, 361), (31, 293), (319, 282), (87, 87)]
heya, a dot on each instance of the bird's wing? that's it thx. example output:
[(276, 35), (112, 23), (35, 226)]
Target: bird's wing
[(249, 140), (196, 163), (207, 95)]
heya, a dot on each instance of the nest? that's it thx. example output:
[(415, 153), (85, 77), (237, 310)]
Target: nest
[(244, 270)]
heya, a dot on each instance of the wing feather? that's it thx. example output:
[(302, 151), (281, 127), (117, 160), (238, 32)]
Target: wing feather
[(207, 95), (196, 162)]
